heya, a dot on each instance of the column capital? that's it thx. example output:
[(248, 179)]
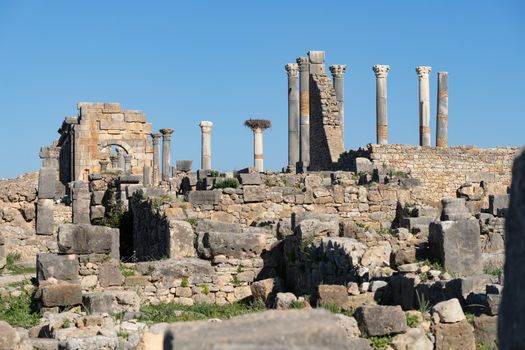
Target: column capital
[(423, 71), (155, 136), (338, 70), (304, 63), (166, 133), (292, 69), (206, 125), (381, 70)]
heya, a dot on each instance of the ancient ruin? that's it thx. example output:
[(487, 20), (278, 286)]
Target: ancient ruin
[(391, 244)]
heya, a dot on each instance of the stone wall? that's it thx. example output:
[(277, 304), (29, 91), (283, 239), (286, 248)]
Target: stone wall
[(442, 171)]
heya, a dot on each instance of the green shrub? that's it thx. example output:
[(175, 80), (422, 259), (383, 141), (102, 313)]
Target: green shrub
[(235, 281), (19, 311), (192, 221), (296, 304), (412, 321), (184, 283), (205, 290), (380, 343), (12, 266), (227, 183), (422, 303)]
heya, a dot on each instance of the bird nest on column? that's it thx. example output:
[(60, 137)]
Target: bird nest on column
[(258, 123)]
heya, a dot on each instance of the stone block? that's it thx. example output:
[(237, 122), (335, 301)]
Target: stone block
[(81, 203), (253, 194), (184, 165), (3, 254), (297, 218), (456, 245), (309, 229), (110, 275), (454, 209), (284, 301), (449, 311), (132, 189), (182, 239), (458, 335), (363, 165), (9, 337), (88, 239), (498, 203), (131, 116), (375, 320), (486, 330), (62, 294), (92, 342), (28, 213), (480, 176), (204, 197), (493, 301), (97, 212), (414, 338), (47, 179), (98, 302), (266, 290), (230, 244), (112, 125), (129, 179), (61, 267), (333, 295), (250, 179), (97, 197), (44, 217)]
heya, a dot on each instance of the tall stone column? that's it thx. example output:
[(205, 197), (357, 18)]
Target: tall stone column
[(258, 157), (424, 105), (127, 164), (381, 72), (338, 74), (166, 152), (155, 138), (293, 114), (304, 100), (121, 160), (442, 110), (206, 144)]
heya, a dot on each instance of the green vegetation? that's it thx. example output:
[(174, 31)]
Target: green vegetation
[(470, 317), (235, 281), (380, 343), (296, 304), (306, 243), (126, 271), (385, 232), (239, 269), (157, 202), (227, 183), (115, 215), (412, 321), (205, 290), (484, 346), (422, 303), (494, 271), (192, 221), (122, 334), (336, 309), (401, 174), (13, 267), (184, 283), (19, 311), (214, 173), (175, 312), (66, 324), (270, 182)]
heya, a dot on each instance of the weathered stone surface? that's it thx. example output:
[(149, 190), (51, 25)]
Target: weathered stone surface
[(250, 179), (110, 275), (166, 272), (63, 294), (279, 330), (333, 295), (457, 246), (449, 311), (47, 183), (454, 209), (61, 267), (363, 165), (284, 300), (231, 244), (204, 197), (91, 342), (360, 344), (413, 339), (310, 228), (97, 197), (9, 337), (111, 301), (184, 165), (97, 212), (486, 330), (3, 255), (254, 194), (44, 217), (182, 239), (493, 303), (454, 336), (265, 290), (81, 202), (375, 320), (88, 239), (498, 203)]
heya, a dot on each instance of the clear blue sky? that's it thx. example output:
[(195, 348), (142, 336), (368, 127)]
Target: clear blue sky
[(182, 62)]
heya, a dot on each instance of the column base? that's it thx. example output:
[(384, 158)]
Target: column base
[(301, 167)]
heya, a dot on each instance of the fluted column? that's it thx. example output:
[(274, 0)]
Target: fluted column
[(293, 114), (442, 110), (258, 158), (424, 105), (381, 73), (166, 153), (206, 144), (155, 137), (338, 74), (304, 100)]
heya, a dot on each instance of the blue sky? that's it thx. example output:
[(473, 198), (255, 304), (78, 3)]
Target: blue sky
[(182, 62)]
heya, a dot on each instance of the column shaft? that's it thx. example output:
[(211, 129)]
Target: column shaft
[(166, 153), (304, 99), (258, 158), (381, 72), (206, 144), (442, 111), (424, 105), (293, 114), (156, 157), (338, 71)]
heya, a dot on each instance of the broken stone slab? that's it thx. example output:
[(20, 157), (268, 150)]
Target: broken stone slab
[(376, 320), (129, 179), (230, 244), (486, 330), (182, 239), (273, 329), (313, 228), (333, 295), (204, 197), (62, 294), (414, 338), (454, 209), (60, 267), (254, 194), (266, 290), (498, 203), (111, 301), (457, 335), (184, 165), (92, 342), (250, 179), (110, 275), (44, 217), (47, 179), (218, 226), (413, 222), (362, 165), (345, 253), (448, 311), (88, 239), (456, 245), (166, 272), (297, 218)]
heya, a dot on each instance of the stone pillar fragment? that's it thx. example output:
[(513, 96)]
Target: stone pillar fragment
[(316, 60), (293, 114), (121, 160), (146, 175), (44, 217), (381, 73), (338, 74), (258, 158), (304, 101), (156, 157), (114, 161), (81, 203), (127, 164), (442, 110), (104, 165), (166, 152), (424, 105), (206, 144)]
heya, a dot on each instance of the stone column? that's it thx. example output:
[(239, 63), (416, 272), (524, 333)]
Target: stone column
[(166, 152), (381, 72), (104, 165), (442, 110), (338, 74), (114, 161), (121, 160), (127, 164), (258, 158), (304, 100), (146, 175), (424, 105), (155, 138), (206, 144), (293, 114)]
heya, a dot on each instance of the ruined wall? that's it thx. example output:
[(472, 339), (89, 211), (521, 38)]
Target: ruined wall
[(326, 141), (442, 171)]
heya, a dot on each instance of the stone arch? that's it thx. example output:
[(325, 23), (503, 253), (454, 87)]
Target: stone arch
[(124, 145)]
